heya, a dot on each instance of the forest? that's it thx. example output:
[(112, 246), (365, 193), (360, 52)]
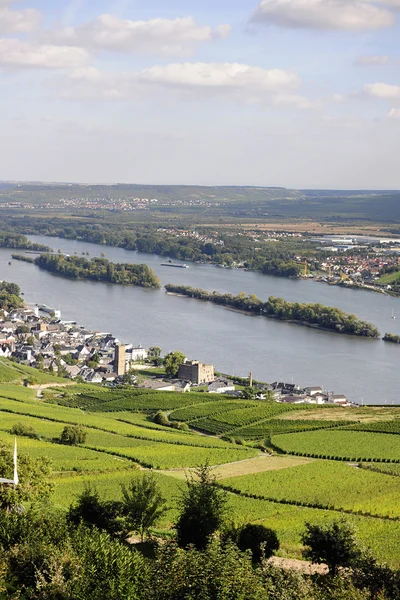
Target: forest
[(325, 317), (96, 269)]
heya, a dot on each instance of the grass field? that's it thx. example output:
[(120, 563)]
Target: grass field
[(352, 445)]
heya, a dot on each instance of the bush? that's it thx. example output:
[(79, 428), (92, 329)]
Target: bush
[(24, 430), (161, 419), (262, 541), (72, 435)]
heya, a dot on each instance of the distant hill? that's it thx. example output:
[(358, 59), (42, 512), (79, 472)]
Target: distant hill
[(229, 203)]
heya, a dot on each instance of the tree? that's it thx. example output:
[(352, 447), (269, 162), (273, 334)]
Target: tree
[(34, 479), (142, 504), (154, 352), (334, 544), (249, 393), (172, 362), (72, 435), (262, 541), (90, 509), (203, 507)]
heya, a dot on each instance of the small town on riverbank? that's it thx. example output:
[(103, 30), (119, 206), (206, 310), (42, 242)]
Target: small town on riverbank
[(38, 337)]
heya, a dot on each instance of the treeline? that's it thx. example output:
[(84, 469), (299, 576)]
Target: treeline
[(10, 296), (98, 269), (16, 240), (391, 337), (325, 317)]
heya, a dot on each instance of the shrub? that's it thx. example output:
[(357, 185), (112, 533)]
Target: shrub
[(24, 430), (262, 541), (72, 435)]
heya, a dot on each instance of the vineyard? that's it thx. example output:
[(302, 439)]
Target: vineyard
[(340, 444), (245, 440), (356, 490)]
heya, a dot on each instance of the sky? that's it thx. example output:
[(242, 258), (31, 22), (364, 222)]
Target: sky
[(293, 93)]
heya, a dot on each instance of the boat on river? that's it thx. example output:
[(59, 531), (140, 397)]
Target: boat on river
[(171, 264)]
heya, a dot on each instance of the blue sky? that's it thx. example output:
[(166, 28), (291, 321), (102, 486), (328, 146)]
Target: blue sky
[(298, 93)]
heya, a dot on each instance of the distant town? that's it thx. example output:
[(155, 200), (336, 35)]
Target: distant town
[(38, 337)]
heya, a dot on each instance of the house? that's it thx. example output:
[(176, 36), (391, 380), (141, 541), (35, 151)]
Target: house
[(296, 399), (158, 385), (181, 386), (135, 354), (339, 399), (313, 391), (221, 386), (286, 388), (5, 350), (73, 371)]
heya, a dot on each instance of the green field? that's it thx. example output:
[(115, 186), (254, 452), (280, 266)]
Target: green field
[(351, 445), (287, 491), (326, 484)]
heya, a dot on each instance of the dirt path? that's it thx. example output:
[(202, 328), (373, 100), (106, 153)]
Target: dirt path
[(298, 565), (46, 386)]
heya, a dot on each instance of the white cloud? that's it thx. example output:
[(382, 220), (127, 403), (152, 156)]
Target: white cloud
[(18, 53), (383, 90), (237, 81), (18, 21), (394, 113), (323, 14), (157, 36), (370, 61), (219, 76)]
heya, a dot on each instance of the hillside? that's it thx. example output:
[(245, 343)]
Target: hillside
[(280, 491)]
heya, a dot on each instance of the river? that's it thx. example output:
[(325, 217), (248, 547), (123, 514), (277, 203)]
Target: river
[(236, 343)]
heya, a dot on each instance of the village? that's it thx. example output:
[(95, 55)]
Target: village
[(38, 337)]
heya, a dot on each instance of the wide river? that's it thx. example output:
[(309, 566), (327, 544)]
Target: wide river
[(363, 369)]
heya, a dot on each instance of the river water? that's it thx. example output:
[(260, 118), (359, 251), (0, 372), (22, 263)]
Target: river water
[(236, 343)]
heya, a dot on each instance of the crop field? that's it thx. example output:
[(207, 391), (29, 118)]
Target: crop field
[(66, 458), (287, 490), (366, 414), (378, 534), (135, 400), (11, 372), (388, 468), (207, 409), (379, 427), (221, 423), (263, 429), (351, 445), (326, 484)]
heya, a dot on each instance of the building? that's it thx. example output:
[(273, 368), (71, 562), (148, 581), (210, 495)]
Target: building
[(135, 354), (221, 386), (196, 372), (120, 359)]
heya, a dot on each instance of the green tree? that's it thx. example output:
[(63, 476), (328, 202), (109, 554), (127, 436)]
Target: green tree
[(142, 504), (203, 507), (34, 479), (154, 352), (172, 362), (72, 435), (262, 541), (217, 573), (90, 509), (249, 393), (334, 544)]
